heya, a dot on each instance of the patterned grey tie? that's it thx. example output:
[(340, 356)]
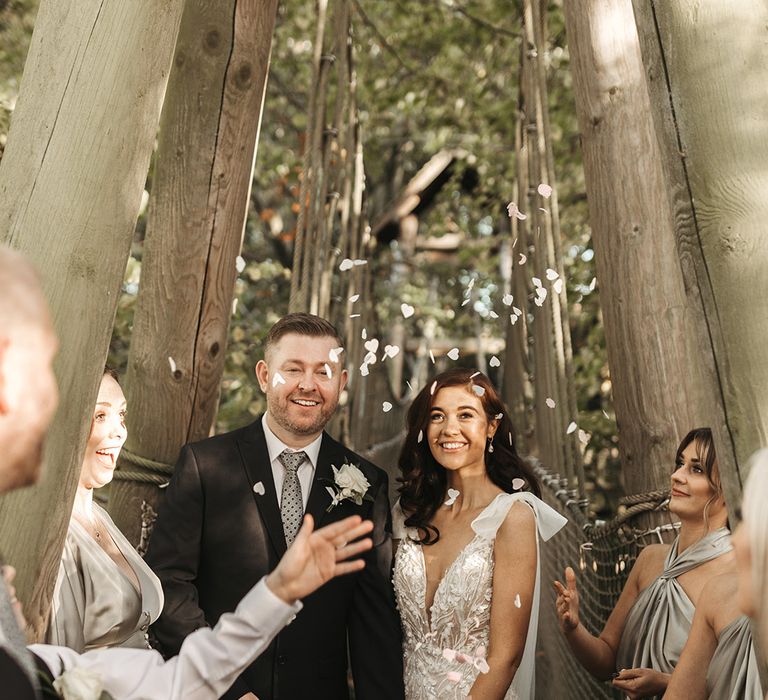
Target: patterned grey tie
[(291, 502)]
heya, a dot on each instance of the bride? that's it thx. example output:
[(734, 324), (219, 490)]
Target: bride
[(467, 566)]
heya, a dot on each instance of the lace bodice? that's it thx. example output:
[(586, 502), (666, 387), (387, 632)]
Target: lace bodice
[(459, 618)]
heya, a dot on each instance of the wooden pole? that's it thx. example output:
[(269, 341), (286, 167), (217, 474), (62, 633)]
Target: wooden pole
[(660, 387), (71, 181), (706, 76), (207, 146)]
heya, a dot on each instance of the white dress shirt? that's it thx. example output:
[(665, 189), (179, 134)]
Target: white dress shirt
[(209, 662), (306, 470)]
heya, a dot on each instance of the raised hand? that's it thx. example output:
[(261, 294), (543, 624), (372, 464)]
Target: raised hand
[(317, 557), (567, 602)]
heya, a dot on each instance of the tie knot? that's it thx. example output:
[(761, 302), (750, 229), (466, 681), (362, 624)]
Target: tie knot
[(291, 460)]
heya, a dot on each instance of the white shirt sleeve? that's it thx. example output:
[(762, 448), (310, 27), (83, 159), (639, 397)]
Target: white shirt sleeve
[(209, 662)]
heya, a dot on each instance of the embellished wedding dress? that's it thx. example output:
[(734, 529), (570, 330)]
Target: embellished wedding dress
[(459, 619)]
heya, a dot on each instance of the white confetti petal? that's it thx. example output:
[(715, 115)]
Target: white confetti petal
[(239, 264), (354, 315), (550, 402), (258, 488), (479, 390), (571, 428), (371, 345), (453, 494), (507, 299), (493, 314), (357, 263), (386, 406), (552, 274), (513, 319), (369, 359), (453, 353), (523, 259), (518, 483), (172, 363), (465, 302), (421, 436), (391, 350), (433, 387), (354, 298), (558, 286), (407, 310), (517, 601), (494, 361), (364, 334), (583, 437), (364, 370), (544, 190), (432, 357), (327, 368), (593, 284), (536, 282), (277, 378), (346, 264), (333, 354)]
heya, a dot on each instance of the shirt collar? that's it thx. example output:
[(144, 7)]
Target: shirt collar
[(275, 445)]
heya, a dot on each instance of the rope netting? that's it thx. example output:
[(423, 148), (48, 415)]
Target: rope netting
[(602, 555)]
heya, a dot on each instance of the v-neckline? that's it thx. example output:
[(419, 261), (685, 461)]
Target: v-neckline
[(138, 590)]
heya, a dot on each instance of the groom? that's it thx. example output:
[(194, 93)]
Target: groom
[(236, 501)]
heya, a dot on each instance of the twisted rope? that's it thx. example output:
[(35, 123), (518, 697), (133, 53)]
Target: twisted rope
[(149, 471)]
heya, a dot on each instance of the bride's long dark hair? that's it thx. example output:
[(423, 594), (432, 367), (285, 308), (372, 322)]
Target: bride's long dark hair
[(424, 480)]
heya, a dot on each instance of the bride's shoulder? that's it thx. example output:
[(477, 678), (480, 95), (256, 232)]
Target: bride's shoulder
[(519, 521)]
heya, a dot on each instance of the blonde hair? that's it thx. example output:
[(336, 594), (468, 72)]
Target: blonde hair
[(756, 523)]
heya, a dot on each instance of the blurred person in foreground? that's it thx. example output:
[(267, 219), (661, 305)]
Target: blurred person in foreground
[(211, 659)]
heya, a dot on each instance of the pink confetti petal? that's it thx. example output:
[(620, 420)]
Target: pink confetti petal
[(518, 483), (544, 190)]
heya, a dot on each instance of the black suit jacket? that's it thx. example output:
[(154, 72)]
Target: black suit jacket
[(214, 538)]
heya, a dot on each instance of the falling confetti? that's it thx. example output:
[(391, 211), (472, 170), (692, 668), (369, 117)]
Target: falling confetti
[(513, 319), (513, 211), (453, 494), (536, 282), (357, 263), (507, 299), (583, 437), (453, 353), (493, 314), (474, 374), (407, 310), (369, 359), (550, 402), (571, 428), (354, 298), (480, 391), (421, 436), (391, 350), (371, 345), (518, 483), (432, 388), (432, 357), (544, 190), (517, 601), (364, 333), (346, 264), (552, 274), (386, 406), (364, 370), (172, 363), (277, 378), (234, 305), (558, 286), (494, 361), (499, 416), (333, 354), (523, 259), (593, 284), (239, 264), (354, 315), (328, 370), (465, 302)]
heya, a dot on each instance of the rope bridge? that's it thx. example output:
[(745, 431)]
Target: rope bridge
[(601, 554)]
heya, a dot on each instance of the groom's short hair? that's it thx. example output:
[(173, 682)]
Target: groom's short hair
[(301, 324)]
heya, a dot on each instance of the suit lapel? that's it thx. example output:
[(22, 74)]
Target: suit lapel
[(255, 458), (319, 498)]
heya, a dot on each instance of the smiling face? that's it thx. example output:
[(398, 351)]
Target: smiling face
[(691, 488), (107, 436), (302, 384), (458, 430)]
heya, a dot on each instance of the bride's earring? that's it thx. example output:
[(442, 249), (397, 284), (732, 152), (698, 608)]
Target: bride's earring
[(490, 445)]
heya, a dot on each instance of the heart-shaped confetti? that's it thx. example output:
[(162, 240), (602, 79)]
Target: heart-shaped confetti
[(552, 274), (453, 494), (386, 406), (391, 350), (258, 488), (507, 299), (558, 286), (453, 353), (494, 361), (407, 310), (536, 282), (372, 345), (513, 211)]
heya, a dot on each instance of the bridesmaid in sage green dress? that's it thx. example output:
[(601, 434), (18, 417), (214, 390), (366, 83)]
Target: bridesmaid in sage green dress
[(644, 636)]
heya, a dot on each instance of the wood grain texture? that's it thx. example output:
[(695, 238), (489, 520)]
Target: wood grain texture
[(660, 386), (705, 62), (206, 150), (71, 181)]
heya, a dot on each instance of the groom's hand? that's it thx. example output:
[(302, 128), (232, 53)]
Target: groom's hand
[(317, 557), (567, 602)]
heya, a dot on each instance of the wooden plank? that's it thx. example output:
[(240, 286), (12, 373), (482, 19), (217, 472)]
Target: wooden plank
[(71, 181), (206, 151)]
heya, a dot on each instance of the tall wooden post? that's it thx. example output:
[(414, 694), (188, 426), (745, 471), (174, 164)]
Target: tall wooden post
[(659, 374), (208, 135), (706, 76), (71, 181)]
